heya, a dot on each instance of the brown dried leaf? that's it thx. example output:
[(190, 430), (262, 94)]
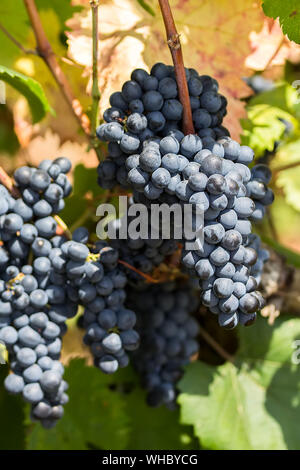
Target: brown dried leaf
[(50, 146)]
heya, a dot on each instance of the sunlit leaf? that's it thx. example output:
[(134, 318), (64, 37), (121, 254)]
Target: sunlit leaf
[(289, 16), (29, 88), (252, 404)]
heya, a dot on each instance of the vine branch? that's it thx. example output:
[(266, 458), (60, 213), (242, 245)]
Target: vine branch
[(8, 182), (215, 345), (95, 87), (288, 166), (16, 42), (174, 44), (45, 51)]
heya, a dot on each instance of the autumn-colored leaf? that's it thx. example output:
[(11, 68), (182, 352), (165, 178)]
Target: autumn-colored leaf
[(214, 40), (50, 146), (270, 47)]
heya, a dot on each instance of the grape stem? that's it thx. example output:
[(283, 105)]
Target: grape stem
[(215, 345), (95, 87), (174, 44), (8, 183), (145, 276), (46, 52)]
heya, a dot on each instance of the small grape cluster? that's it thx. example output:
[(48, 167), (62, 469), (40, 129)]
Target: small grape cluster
[(168, 337), (32, 306), (33, 338), (149, 106), (93, 279)]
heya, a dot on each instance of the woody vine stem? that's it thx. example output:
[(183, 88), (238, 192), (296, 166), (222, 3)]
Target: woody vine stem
[(174, 44)]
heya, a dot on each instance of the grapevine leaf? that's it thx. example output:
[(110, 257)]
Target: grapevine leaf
[(85, 180), (95, 416), (156, 429), (85, 184), (253, 403), (12, 413), (15, 20), (270, 48), (8, 139), (283, 96), (63, 8), (264, 126), (289, 16), (288, 179), (29, 88)]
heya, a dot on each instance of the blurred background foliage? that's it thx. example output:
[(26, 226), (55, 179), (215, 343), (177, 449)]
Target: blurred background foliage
[(251, 401)]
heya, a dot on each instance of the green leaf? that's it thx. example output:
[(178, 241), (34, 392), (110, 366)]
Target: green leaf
[(283, 96), (288, 180), (85, 181), (12, 412), (14, 18), (253, 404), (63, 9), (288, 12), (146, 7), (288, 177), (155, 428), (8, 140), (29, 88), (264, 127), (95, 416)]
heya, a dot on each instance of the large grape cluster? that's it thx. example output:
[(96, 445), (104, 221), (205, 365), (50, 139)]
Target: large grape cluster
[(149, 106), (212, 175), (168, 337)]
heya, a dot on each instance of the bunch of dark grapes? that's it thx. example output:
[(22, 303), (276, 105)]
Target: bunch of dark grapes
[(149, 106), (93, 279), (37, 310), (213, 176), (32, 306), (168, 337)]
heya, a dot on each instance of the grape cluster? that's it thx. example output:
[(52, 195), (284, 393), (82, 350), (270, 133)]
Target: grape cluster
[(168, 337), (92, 279), (214, 176), (33, 337), (149, 106), (32, 306)]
